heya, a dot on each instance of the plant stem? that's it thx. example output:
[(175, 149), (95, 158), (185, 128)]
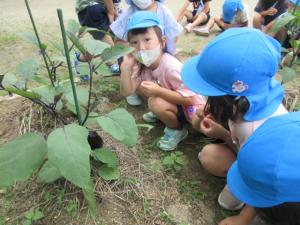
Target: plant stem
[(39, 42), (64, 37), (90, 94)]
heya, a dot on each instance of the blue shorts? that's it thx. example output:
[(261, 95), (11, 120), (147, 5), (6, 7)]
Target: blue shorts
[(95, 16)]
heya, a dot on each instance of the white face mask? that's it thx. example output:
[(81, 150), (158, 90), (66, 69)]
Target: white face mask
[(142, 4), (147, 57)]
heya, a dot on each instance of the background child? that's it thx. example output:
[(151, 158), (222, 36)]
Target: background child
[(97, 14), (172, 29), (243, 91), (198, 16), (234, 14), (156, 76), (268, 10)]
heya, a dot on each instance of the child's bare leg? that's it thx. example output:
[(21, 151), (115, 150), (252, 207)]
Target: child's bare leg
[(165, 111), (199, 19), (216, 159), (257, 20), (219, 22), (210, 24)]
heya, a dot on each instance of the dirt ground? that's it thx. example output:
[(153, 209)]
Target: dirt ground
[(160, 197)]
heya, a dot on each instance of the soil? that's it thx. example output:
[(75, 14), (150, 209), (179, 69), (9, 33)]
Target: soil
[(147, 192)]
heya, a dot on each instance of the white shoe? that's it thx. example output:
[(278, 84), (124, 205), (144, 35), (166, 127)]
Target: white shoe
[(171, 138), (188, 28), (150, 117), (202, 31), (227, 201), (134, 100)]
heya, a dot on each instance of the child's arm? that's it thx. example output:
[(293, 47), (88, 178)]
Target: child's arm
[(110, 10), (129, 81), (182, 10), (151, 89), (206, 7), (244, 218)]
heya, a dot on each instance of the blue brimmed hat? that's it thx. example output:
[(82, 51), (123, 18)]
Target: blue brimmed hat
[(295, 2), (267, 170), (230, 7), (143, 19), (239, 62), (129, 2)]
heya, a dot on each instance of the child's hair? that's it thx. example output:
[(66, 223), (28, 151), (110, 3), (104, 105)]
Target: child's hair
[(138, 31), (283, 214), (226, 107)]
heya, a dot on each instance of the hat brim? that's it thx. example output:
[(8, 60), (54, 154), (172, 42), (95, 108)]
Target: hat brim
[(143, 25), (194, 81), (243, 192)]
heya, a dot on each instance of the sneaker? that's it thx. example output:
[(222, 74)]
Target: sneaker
[(150, 117), (134, 100), (115, 69), (202, 31), (188, 28), (227, 201), (172, 138)]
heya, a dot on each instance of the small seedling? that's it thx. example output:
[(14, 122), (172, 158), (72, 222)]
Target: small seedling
[(146, 205), (32, 216), (71, 208), (175, 161)]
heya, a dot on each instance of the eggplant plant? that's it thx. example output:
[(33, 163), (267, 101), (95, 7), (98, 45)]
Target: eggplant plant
[(67, 150), (290, 22)]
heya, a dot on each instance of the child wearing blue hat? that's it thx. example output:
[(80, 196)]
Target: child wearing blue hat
[(242, 91), (155, 75), (234, 14), (200, 14), (172, 29)]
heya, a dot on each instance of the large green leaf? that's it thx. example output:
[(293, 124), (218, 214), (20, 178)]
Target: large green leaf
[(75, 40), (82, 96), (287, 74), (48, 173), (20, 158), (12, 80), (106, 156), (47, 93), (281, 21), (121, 125), (41, 79), (69, 152), (89, 196), (73, 26), (109, 173), (115, 52), (27, 68), (29, 37), (95, 47)]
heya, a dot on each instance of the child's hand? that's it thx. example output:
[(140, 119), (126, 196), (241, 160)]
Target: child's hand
[(129, 64), (149, 88), (212, 129), (234, 220), (271, 11)]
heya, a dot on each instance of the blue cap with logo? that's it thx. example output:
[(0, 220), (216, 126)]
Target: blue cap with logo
[(230, 7), (143, 19), (295, 2), (239, 62), (267, 170)]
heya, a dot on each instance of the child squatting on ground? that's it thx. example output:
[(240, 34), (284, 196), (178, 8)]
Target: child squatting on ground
[(155, 75), (200, 14), (234, 14), (242, 90), (172, 29)]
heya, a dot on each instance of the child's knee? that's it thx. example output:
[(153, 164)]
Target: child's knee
[(155, 104), (205, 156)]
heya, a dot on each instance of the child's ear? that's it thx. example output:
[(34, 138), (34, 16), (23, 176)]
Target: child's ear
[(164, 41)]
